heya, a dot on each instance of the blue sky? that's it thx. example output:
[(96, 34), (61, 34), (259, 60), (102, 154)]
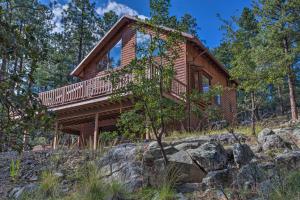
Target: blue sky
[(205, 11)]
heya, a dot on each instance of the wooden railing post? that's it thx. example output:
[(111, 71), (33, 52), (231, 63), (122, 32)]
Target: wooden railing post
[(55, 135), (96, 130)]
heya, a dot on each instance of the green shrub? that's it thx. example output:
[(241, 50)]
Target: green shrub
[(117, 191), (90, 185), (108, 137), (49, 185)]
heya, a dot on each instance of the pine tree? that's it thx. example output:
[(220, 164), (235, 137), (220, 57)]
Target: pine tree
[(81, 28), (280, 30), (24, 28), (243, 67)]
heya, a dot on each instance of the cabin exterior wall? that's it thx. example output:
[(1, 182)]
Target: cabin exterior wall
[(195, 59), (128, 36)]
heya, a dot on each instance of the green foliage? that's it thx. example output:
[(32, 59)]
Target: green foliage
[(14, 169), (131, 124), (288, 188), (24, 28), (117, 191), (107, 137)]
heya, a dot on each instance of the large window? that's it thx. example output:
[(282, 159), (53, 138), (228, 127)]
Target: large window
[(201, 81), (114, 55), (205, 83), (112, 58), (142, 43)]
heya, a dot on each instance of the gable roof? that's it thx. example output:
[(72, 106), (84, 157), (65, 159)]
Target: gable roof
[(123, 21)]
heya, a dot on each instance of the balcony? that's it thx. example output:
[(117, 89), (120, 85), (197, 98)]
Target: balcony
[(97, 87)]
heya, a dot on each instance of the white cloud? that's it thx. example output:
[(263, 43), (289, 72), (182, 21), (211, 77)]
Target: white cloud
[(57, 17), (119, 9)]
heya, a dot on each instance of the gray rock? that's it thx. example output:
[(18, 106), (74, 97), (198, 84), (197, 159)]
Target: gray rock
[(242, 154), (199, 139), (188, 187), (217, 179), (249, 176), (296, 137), (289, 161), (155, 153), (262, 135), (121, 164), (187, 169), (273, 142), (227, 138), (185, 146), (210, 156), (58, 174), (212, 194), (17, 192)]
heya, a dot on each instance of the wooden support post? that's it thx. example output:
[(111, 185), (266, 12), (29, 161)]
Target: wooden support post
[(55, 135), (96, 130)]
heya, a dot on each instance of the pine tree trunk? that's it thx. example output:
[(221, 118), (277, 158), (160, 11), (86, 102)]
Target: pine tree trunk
[(253, 113), (291, 84), (281, 107), (292, 95)]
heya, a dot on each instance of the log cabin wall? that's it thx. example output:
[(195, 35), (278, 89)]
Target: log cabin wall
[(199, 61)]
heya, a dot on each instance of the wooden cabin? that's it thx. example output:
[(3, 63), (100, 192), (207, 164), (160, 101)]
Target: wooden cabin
[(85, 109)]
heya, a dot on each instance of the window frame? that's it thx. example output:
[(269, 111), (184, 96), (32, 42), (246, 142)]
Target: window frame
[(205, 74)]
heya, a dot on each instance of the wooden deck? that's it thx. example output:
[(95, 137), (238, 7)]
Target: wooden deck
[(94, 88)]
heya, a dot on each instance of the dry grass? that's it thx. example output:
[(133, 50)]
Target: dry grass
[(244, 130)]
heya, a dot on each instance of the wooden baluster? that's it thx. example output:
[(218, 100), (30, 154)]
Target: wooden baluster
[(64, 95)]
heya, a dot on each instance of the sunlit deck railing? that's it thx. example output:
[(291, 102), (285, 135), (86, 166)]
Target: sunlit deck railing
[(96, 87)]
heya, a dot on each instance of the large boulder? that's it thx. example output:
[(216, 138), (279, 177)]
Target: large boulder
[(269, 140), (209, 156), (180, 162), (242, 154), (274, 142), (188, 170), (263, 134), (122, 164)]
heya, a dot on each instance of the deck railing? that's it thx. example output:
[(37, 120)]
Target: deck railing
[(95, 87)]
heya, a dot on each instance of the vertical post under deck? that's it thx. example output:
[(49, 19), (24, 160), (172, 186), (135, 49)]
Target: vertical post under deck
[(55, 135), (96, 130)]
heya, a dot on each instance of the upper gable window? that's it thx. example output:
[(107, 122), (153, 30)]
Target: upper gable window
[(112, 58), (114, 55), (143, 41)]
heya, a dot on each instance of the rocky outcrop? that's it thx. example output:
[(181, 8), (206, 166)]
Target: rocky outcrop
[(200, 164)]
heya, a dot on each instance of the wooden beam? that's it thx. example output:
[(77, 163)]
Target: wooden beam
[(96, 130), (55, 135)]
